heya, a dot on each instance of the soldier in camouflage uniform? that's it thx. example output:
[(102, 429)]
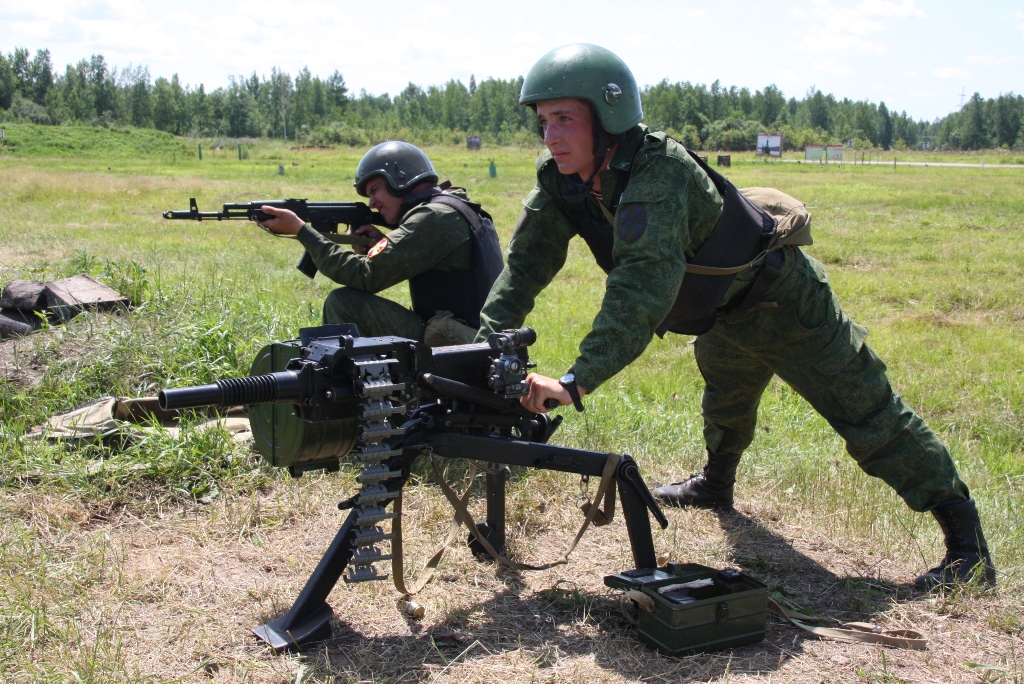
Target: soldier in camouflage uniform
[(648, 209), (444, 245)]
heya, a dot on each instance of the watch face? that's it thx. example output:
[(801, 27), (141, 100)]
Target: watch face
[(567, 379)]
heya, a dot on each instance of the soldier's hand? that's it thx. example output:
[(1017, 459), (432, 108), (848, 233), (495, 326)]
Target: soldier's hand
[(284, 223), (369, 231), (543, 388)]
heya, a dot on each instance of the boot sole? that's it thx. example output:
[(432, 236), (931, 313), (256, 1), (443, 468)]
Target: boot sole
[(707, 505)]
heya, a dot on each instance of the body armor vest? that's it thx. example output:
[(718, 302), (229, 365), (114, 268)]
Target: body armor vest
[(742, 228), (461, 292)]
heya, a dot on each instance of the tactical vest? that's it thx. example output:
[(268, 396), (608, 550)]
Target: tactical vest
[(461, 292), (742, 230)]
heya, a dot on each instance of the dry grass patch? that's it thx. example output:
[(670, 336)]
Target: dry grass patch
[(176, 593)]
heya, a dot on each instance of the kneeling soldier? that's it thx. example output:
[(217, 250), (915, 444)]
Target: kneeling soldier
[(443, 244), (651, 212)]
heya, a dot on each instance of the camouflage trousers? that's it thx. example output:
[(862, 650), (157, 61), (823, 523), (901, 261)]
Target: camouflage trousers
[(376, 316), (811, 345)]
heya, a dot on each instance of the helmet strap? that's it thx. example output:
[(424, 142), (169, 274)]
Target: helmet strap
[(574, 188), (412, 199)]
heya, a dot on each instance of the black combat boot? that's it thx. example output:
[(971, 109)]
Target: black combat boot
[(711, 488), (966, 551)]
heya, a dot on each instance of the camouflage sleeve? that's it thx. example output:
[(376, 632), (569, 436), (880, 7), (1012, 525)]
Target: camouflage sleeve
[(535, 254), (652, 230), (426, 238)]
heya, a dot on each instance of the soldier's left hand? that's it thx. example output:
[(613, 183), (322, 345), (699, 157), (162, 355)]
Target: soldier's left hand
[(543, 388), (285, 223), (369, 231)]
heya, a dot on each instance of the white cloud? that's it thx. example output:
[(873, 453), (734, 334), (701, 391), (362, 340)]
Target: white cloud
[(1019, 16), (992, 60), (830, 66), (638, 39), (911, 74), (697, 13), (838, 28), (951, 73)]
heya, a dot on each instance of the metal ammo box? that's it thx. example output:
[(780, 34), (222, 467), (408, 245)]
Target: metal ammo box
[(696, 608)]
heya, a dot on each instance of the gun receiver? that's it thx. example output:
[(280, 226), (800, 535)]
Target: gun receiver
[(333, 393), (324, 217)]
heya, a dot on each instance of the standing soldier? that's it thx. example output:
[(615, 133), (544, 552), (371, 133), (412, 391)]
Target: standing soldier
[(444, 245), (651, 212)]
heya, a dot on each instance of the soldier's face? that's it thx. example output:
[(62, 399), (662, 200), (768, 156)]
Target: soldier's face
[(568, 134), (389, 206)]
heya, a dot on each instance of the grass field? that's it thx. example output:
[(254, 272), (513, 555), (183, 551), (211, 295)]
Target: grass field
[(150, 562)]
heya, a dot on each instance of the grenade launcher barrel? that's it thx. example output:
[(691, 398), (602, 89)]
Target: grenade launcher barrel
[(272, 388)]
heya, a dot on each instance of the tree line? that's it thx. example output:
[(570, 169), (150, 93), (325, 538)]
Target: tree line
[(314, 110)]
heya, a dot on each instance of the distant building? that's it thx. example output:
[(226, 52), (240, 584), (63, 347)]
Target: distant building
[(473, 142)]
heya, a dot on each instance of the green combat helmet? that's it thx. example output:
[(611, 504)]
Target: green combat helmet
[(591, 73), (403, 166)]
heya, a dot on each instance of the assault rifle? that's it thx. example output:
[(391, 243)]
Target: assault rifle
[(388, 401), (324, 217)]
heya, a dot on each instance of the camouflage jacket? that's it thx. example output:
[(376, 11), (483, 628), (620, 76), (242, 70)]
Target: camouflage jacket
[(429, 236), (678, 209)]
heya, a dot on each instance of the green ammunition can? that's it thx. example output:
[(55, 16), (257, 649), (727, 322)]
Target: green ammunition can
[(693, 608), (284, 440)]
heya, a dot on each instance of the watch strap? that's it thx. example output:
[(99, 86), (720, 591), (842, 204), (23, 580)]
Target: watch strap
[(574, 393)]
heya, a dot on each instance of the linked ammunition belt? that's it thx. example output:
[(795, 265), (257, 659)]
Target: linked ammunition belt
[(377, 391)]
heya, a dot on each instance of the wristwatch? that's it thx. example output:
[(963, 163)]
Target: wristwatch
[(568, 381)]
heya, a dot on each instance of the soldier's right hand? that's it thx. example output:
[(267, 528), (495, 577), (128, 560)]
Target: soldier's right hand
[(369, 231)]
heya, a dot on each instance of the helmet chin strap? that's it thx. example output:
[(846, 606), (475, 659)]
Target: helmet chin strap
[(574, 188), (417, 197)]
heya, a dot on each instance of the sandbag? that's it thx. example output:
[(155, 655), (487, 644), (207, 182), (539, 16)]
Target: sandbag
[(13, 324), (24, 295)]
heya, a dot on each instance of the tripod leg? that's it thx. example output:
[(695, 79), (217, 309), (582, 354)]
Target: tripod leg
[(309, 617), (494, 527), (634, 511), (496, 509)]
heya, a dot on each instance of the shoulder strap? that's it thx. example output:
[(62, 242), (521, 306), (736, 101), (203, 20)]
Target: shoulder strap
[(470, 211)]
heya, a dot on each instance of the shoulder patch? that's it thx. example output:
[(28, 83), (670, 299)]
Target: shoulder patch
[(631, 222), (378, 248)]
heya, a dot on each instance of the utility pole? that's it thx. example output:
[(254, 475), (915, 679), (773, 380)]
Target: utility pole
[(963, 96)]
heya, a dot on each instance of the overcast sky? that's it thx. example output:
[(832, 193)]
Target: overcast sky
[(915, 55)]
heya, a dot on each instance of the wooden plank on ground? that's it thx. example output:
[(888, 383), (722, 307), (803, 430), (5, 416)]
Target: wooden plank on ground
[(72, 295)]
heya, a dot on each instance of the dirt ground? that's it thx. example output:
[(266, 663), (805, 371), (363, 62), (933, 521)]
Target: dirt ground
[(182, 589)]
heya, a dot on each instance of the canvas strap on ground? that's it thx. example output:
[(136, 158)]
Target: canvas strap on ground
[(858, 632), (641, 599), (607, 480)]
